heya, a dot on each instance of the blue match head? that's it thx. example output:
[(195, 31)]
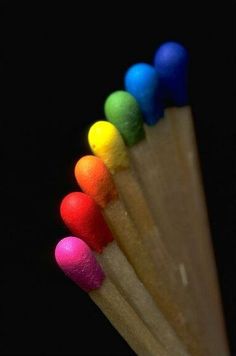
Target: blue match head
[(141, 80), (171, 62)]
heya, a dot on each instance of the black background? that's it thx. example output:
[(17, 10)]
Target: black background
[(58, 64)]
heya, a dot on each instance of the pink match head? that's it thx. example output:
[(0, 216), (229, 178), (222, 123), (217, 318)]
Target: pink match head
[(77, 261)]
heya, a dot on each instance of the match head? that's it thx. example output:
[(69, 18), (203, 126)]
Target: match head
[(106, 143), (95, 180), (83, 218), (141, 80), (122, 110), (78, 263), (171, 62)]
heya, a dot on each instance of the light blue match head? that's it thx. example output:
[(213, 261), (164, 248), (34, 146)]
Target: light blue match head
[(171, 63), (141, 80)]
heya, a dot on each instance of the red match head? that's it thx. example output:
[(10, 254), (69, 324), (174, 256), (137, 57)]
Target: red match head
[(83, 217)]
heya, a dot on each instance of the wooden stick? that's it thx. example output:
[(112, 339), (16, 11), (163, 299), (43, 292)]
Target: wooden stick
[(172, 190), (123, 276), (177, 188), (179, 304), (171, 62), (106, 143), (123, 111), (126, 321), (77, 261), (177, 234), (81, 215), (201, 252)]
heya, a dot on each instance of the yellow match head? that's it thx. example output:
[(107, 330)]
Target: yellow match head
[(106, 143)]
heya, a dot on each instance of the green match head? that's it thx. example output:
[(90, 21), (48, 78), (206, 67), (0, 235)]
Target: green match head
[(123, 111)]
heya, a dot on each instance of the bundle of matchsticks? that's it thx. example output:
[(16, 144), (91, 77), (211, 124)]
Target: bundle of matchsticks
[(140, 243)]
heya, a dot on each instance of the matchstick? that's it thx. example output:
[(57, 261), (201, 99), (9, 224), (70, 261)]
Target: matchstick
[(78, 263), (150, 98), (123, 111), (157, 171), (171, 195), (106, 143), (151, 165), (155, 164), (83, 217), (171, 188), (171, 62), (95, 180)]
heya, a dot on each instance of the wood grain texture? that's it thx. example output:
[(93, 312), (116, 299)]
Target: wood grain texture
[(126, 321), (150, 267)]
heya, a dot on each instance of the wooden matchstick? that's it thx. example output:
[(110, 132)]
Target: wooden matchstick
[(76, 260), (171, 61), (106, 143), (83, 217), (155, 270), (153, 168)]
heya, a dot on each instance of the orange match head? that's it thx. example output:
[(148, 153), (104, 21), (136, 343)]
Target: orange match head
[(95, 180)]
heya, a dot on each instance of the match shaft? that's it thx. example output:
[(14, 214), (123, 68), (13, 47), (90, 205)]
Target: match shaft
[(136, 205), (126, 321), (199, 240), (122, 274)]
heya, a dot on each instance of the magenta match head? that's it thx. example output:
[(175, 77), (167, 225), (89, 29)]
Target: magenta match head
[(77, 261)]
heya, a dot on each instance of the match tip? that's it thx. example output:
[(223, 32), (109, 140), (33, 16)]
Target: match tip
[(141, 80), (106, 143), (122, 110), (171, 62), (170, 58), (95, 180), (140, 76), (83, 218), (76, 260)]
